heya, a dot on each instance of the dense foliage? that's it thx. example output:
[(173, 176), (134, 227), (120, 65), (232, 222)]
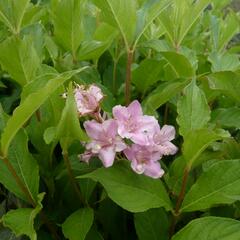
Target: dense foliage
[(179, 59)]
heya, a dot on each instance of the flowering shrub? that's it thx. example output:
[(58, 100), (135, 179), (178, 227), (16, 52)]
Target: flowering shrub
[(119, 119)]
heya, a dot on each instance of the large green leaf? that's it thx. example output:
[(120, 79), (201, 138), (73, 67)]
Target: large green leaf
[(12, 13), (210, 228), (135, 193), (196, 141), (77, 225), (163, 93), (19, 58), (152, 224), (23, 163), (220, 184), (21, 220), (121, 14), (227, 117), (30, 105), (180, 18), (180, 64), (68, 128), (193, 109), (147, 73), (68, 24), (226, 82), (147, 14)]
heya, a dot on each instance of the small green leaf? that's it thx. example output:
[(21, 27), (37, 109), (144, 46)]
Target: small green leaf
[(147, 73), (162, 94), (133, 192), (19, 58), (193, 109), (69, 29), (180, 64), (227, 117), (30, 105), (226, 82), (210, 228), (21, 220), (69, 128), (196, 142), (12, 13), (220, 184), (152, 224), (120, 14), (77, 225)]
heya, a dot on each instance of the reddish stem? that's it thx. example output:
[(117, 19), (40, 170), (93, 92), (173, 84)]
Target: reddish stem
[(128, 76)]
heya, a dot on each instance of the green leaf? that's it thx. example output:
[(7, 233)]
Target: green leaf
[(227, 117), (196, 141), (147, 15), (30, 105), (68, 23), (19, 58), (224, 62), (220, 184), (210, 228), (152, 224), (226, 82), (77, 225), (21, 220), (133, 192), (193, 110), (24, 165), (12, 13), (69, 128), (180, 64), (120, 14), (162, 94), (102, 39), (147, 73)]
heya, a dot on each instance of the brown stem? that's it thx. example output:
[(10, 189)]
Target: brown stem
[(128, 76), (114, 77), (38, 115), (179, 201), (72, 178), (165, 114)]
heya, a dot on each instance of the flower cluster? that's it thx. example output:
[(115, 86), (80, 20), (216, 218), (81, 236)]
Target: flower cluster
[(138, 136)]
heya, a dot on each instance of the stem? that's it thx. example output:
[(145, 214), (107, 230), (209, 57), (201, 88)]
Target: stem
[(114, 76), (72, 178), (179, 201), (38, 115), (128, 76), (29, 197)]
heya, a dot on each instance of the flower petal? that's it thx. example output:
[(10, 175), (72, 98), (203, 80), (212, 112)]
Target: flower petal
[(93, 129), (167, 133), (107, 156), (154, 170), (135, 109)]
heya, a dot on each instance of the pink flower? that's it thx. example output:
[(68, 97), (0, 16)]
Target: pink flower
[(162, 140), (105, 141), (88, 99), (132, 124), (144, 160)]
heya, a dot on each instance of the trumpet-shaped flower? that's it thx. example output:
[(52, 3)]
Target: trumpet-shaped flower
[(105, 141), (87, 99), (132, 124), (144, 160)]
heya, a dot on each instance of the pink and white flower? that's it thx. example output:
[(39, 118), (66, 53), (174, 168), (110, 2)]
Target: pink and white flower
[(132, 124), (144, 160), (105, 141), (88, 99)]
